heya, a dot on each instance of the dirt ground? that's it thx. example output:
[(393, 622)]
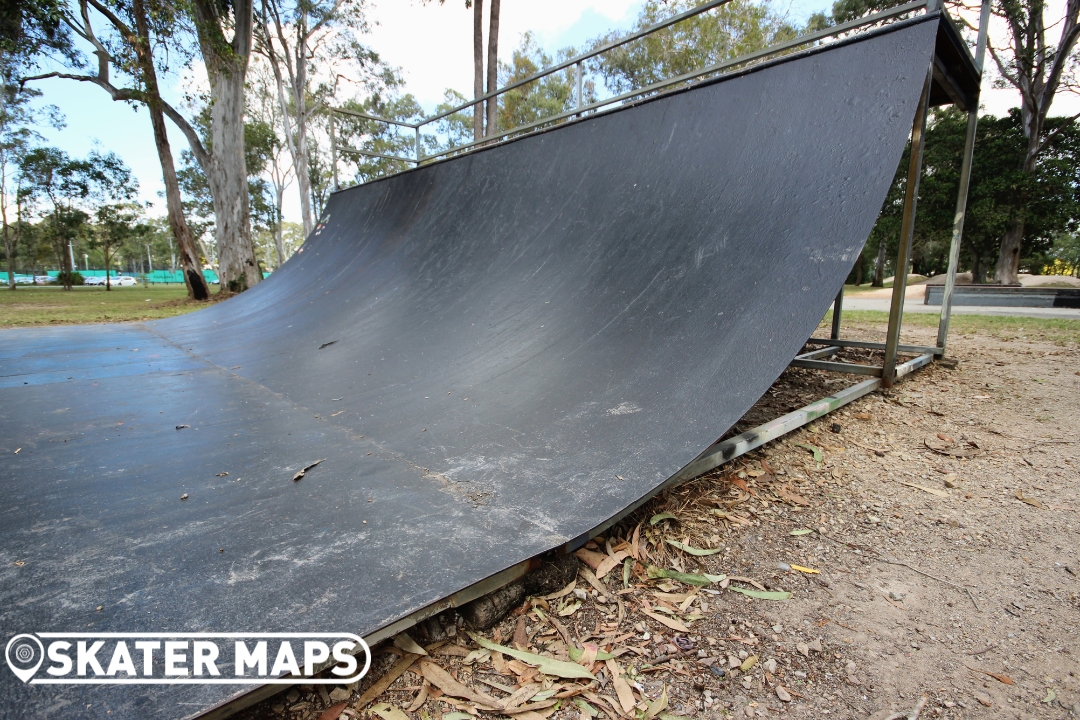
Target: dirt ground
[(938, 528)]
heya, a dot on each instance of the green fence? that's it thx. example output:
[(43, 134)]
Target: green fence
[(158, 277)]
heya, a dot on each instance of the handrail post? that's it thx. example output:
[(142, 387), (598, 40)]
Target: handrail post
[(333, 148), (417, 144), (907, 231), (580, 98)]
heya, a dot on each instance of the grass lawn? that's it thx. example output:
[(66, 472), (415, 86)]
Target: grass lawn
[(30, 306), (1054, 330)]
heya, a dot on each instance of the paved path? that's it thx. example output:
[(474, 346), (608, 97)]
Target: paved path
[(915, 305)]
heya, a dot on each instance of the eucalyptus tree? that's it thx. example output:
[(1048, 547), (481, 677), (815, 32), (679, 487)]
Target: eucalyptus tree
[(135, 41), (264, 108), (1037, 64), (137, 38), (305, 42)]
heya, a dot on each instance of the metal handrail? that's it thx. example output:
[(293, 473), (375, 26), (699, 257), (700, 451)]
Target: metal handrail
[(499, 136)]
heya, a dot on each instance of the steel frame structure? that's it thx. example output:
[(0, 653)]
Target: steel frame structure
[(723, 451)]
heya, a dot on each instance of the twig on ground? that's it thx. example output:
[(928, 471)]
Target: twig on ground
[(972, 598), (986, 649), (923, 573), (913, 715)]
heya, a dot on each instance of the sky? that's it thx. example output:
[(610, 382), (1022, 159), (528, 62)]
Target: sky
[(432, 46)]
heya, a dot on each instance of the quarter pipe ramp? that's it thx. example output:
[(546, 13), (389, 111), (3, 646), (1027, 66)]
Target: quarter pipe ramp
[(491, 355)]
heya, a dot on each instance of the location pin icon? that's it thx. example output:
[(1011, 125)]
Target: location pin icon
[(24, 656)]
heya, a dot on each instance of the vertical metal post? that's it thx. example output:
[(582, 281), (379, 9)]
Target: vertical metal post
[(837, 310), (962, 194), (907, 230), (333, 147), (417, 144), (580, 99)]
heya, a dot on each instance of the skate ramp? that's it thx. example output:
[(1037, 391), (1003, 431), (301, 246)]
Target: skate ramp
[(492, 355)]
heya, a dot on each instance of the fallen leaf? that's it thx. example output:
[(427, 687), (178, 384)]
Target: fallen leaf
[(570, 609), (808, 571), (181, 427), (669, 622), (761, 594), (800, 531), (1004, 679), (327, 344), (819, 457), (688, 578), (657, 706), (222, 474), (457, 716), (589, 655), (385, 681), (862, 416), (787, 494), (548, 666), (590, 557), (445, 681), (748, 663), (1051, 696), (691, 550), (402, 641), (333, 712), (610, 563), (1029, 500), (932, 491), (521, 636), (622, 689), (945, 438), (420, 699), (388, 712), (303, 470), (662, 516), (586, 709), (740, 483)]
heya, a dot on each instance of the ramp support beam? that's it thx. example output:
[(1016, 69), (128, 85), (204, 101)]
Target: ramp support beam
[(837, 311), (962, 193), (907, 231)]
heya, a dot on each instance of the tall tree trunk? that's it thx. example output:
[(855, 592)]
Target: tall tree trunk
[(9, 244), (226, 66), (1008, 264), (232, 211), (879, 266), (493, 69), (196, 284), (279, 231), (300, 162), (478, 67)]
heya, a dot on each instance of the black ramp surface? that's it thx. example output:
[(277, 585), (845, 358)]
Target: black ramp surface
[(477, 348)]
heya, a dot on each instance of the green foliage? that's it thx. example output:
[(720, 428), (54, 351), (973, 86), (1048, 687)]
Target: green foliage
[(733, 29), (377, 137), (994, 197), (75, 278), (550, 95), (1064, 255)]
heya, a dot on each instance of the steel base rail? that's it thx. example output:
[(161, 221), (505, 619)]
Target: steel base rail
[(869, 345), (726, 450)]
